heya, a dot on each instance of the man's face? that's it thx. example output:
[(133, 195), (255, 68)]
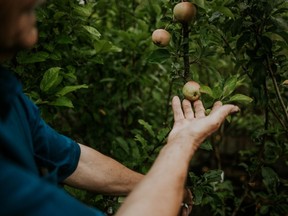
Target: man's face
[(18, 24)]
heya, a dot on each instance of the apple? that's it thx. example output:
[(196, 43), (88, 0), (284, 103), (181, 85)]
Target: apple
[(184, 12), (191, 91), (161, 37)]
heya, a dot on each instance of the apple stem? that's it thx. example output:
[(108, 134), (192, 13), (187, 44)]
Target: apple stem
[(166, 27), (186, 58)]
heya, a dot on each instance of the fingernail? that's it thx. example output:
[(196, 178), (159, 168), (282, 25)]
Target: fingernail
[(235, 109)]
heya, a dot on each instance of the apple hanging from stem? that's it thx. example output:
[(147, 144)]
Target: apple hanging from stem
[(191, 91), (184, 12), (161, 37)]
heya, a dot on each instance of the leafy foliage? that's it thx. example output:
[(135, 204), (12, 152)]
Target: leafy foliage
[(98, 78)]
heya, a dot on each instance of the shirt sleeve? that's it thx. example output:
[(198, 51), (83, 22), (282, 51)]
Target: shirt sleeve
[(55, 153), (23, 193)]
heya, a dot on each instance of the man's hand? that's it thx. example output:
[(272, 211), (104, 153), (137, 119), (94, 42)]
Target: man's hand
[(187, 204), (169, 171), (194, 125)]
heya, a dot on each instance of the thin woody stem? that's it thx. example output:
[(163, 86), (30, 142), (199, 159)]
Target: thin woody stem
[(186, 58), (278, 94)]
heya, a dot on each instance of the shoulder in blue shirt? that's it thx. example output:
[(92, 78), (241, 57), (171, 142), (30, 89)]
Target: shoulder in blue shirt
[(27, 146)]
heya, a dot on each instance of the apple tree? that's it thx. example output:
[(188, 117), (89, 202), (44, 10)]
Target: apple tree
[(104, 73)]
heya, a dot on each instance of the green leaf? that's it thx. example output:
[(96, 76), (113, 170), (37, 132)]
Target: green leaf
[(83, 11), (283, 35), (226, 11), (139, 138), (241, 99), (50, 78), (159, 56), (198, 193), (213, 176), (95, 34), (229, 86), (236, 26), (63, 102), (68, 89), (206, 146), (107, 80), (206, 90), (23, 58), (58, 15), (271, 152), (155, 7), (199, 3), (104, 46), (56, 55), (123, 144), (64, 39), (194, 178), (217, 92), (270, 179), (147, 126), (135, 152), (162, 134), (244, 38)]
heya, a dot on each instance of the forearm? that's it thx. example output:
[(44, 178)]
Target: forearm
[(99, 173), (161, 191)]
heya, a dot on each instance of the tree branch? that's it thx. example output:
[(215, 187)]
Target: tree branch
[(186, 59), (279, 97)]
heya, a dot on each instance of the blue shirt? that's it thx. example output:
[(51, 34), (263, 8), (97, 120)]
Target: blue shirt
[(34, 158)]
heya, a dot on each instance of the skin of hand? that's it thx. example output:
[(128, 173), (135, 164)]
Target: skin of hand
[(187, 204), (99, 173), (161, 190), (194, 125)]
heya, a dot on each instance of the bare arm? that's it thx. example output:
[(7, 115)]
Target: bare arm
[(161, 191), (99, 173)]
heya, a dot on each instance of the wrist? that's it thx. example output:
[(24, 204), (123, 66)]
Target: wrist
[(185, 146), (189, 142)]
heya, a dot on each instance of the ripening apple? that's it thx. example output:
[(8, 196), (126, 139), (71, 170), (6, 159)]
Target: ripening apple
[(161, 37), (184, 12), (191, 91)]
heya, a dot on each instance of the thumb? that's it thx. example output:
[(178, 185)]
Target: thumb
[(222, 112)]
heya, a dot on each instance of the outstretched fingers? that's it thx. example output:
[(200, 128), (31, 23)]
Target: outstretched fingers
[(220, 113), (216, 106), (187, 108), (177, 109), (199, 109)]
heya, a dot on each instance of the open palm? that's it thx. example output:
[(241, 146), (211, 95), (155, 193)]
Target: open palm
[(193, 124)]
